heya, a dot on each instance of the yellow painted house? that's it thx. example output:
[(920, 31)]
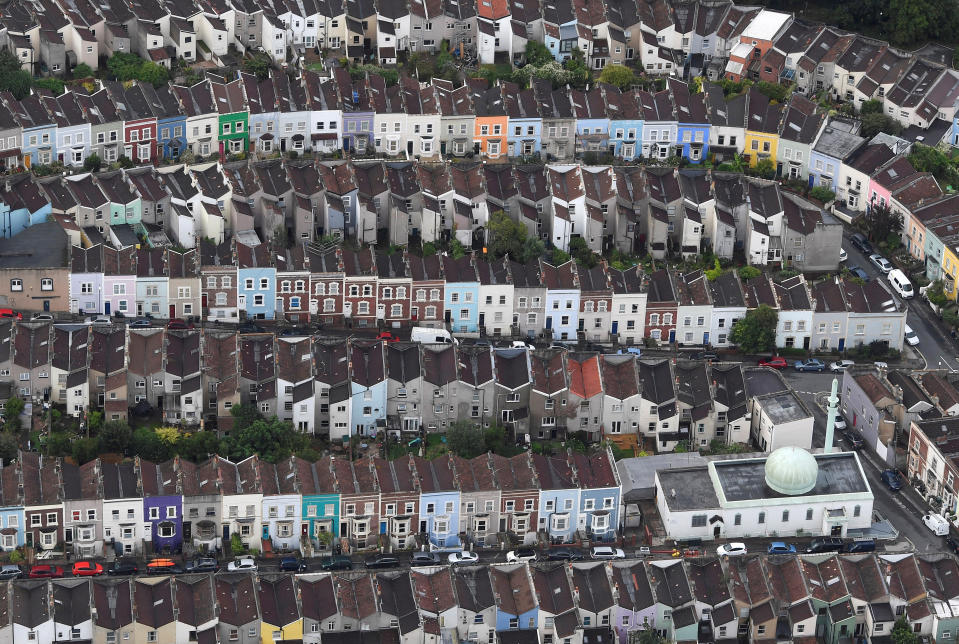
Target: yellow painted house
[(949, 270), (761, 140), (279, 611)]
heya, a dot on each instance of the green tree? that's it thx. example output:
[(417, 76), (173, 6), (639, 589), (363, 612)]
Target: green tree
[(154, 74), (198, 445), (13, 78), (466, 439), (457, 249), (765, 168), (533, 248), (936, 294), (429, 249), (648, 636), (749, 272), (258, 64), (580, 251), (928, 159), (577, 68), (872, 106), (495, 438), (83, 70), (618, 75), (92, 163), (84, 450), (822, 193), (9, 446), (273, 439), (873, 123), (12, 410), (58, 444), (55, 85), (537, 54), (774, 91), (505, 236), (147, 444), (756, 333), (883, 222), (115, 437), (916, 21), (559, 257), (902, 632)]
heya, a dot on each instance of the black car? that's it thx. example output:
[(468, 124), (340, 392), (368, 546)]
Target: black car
[(564, 554), (859, 241), (295, 331), (10, 571), (705, 355), (336, 562), (951, 543), (854, 438), (250, 327), (383, 561), (892, 479), (858, 272), (292, 564), (123, 568), (203, 564), (825, 544)]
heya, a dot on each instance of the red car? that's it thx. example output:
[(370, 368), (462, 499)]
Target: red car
[(176, 324), (774, 363), (386, 336), (43, 571), (10, 313), (87, 569)]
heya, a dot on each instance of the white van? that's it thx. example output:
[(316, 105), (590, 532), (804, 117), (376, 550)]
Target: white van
[(900, 283), (937, 523), (431, 336)]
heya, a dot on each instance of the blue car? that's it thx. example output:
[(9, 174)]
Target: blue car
[(780, 548), (858, 272), (812, 364), (892, 479)]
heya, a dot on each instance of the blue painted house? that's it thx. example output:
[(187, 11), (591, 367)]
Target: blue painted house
[(835, 143), (256, 277), (12, 518), (162, 506), (599, 495), (558, 497), (439, 501), (321, 501), (592, 122), (171, 125), (516, 606), (562, 299), (368, 387), (625, 123), (21, 205), (525, 130), (357, 113), (954, 132), (461, 301), (39, 144), (692, 119)]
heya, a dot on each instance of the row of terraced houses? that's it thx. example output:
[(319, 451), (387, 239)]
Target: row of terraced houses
[(804, 600), (135, 507)]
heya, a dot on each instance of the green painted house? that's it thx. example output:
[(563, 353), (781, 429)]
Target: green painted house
[(233, 124)]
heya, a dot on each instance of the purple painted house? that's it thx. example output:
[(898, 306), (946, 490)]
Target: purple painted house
[(120, 281), (357, 113), (635, 605), (86, 278), (162, 506)]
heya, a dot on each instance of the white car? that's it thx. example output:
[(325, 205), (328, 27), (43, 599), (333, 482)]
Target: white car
[(605, 552), (42, 316), (880, 262), (840, 365), (243, 564), (462, 557), (521, 555), (734, 549), (843, 255), (100, 320), (910, 337)]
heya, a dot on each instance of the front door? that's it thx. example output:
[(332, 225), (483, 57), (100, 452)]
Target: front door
[(106, 308), (226, 532), (172, 311)]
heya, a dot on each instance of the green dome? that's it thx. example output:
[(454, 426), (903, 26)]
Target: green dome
[(791, 470)]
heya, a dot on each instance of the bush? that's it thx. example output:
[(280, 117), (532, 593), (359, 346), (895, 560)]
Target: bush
[(749, 272), (823, 194), (16, 556)]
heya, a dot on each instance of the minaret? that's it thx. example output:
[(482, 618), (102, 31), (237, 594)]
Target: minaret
[(831, 410)]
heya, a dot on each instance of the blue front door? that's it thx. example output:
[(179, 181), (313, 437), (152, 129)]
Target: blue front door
[(842, 343), (706, 339), (615, 327), (672, 336), (549, 322), (106, 308)]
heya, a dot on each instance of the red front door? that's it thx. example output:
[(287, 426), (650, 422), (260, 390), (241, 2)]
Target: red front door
[(172, 311)]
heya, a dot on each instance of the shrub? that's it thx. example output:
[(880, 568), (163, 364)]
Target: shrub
[(823, 194)]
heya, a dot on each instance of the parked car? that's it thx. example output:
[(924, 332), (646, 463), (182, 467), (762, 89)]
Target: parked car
[(937, 523), (951, 543), (176, 324), (840, 423), (100, 320), (563, 554), (843, 255), (892, 479), (853, 437), (295, 332), (840, 365), (812, 364), (705, 355), (780, 548), (141, 322), (45, 571), (10, 313), (463, 557), (382, 561), (910, 336), (881, 262), (605, 552), (423, 558), (293, 564), (859, 241), (250, 327), (775, 362), (859, 545), (10, 571), (163, 566), (386, 336), (825, 544), (521, 555), (336, 562), (734, 549), (41, 317), (203, 564), (858, 272), (242, 564), (123, 567), (87, 569)]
